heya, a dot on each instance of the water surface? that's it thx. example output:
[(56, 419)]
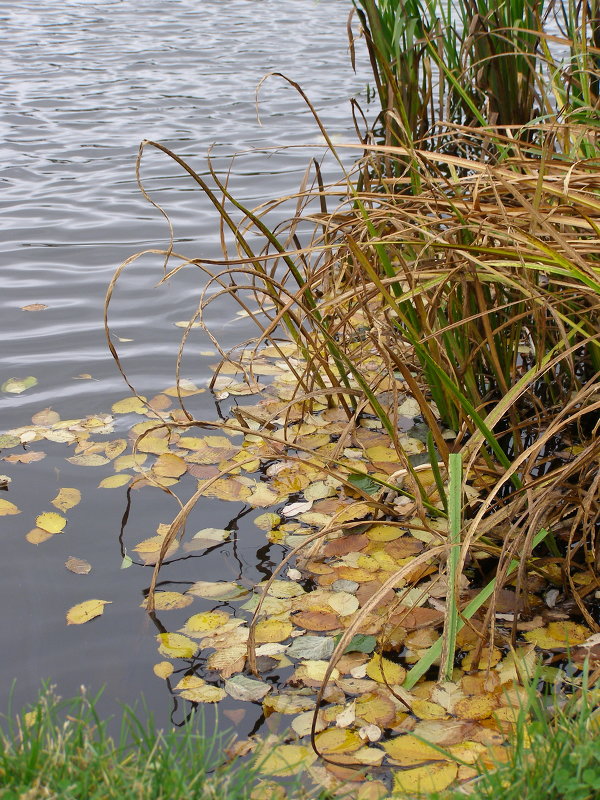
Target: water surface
[(83, 84)]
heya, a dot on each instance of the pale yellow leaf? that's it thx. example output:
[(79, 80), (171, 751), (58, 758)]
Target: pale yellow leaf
[(7, 508), (286, 759), (174, 645), (66, 499), (425, 780), (130, 405), (164, 669), (114, 481), (84, 612)]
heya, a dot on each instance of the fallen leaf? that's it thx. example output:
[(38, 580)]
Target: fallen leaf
[(114, 481), (338, 740), (242, 688), (130, 405), (165, 601), (18, 385), (204, 622), (91, 460), (164, 669), (37, 536), (425, 780), (51, 521), (383, 670), (7, 508), (78, 565), (66, 499), (84, 612), (45, 417), (286, 759), (203, 694), (34, 307), (176, 646), (272, 630), (217, 590)]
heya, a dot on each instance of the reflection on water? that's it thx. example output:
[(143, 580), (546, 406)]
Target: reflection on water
[(84, 83)]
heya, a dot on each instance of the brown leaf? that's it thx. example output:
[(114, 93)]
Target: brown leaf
[(25, 458), (316, 620), (78, 565)]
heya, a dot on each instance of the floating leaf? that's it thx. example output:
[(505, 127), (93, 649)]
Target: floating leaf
[(91, 460), (289, 703), (425, 780), (208, 537), (126, 562), (286, 759), (317, 620), (203, 694), (425, 709), (45, 417), (84, 612), (267, 521), (18, 385), (205, 622), (311, 647), (217, 590), (130, 405), (114, 481), (558, 635), (169, 465), (360, 643), (25, 458), (164, 669), (130, 461), (476, 707), (78, 565), (338, 740), (7, 508), (408, 750), (383, 670), (175, 645), (115, 448), (165, 601), (375, 708), (66, 499), (51, 521), (384, 533), (6, 440), (262, 496), (272, 630), (34, 307), (242, 688), (343, 603)]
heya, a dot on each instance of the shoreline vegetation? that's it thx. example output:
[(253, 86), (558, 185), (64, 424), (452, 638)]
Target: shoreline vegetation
[(424, 435)]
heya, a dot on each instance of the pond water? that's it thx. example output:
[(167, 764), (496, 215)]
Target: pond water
[(84, 82)]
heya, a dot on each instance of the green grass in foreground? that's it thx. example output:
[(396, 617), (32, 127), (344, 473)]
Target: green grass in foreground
[(61, 749)]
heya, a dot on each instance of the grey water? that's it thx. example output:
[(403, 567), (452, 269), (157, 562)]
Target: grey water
[(82, 83)]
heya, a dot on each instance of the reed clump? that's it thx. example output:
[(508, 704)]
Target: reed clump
[(461, 270)]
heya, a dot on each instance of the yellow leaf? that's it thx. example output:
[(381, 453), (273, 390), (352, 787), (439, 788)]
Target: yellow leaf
[(115, 448), (267, 521), (153, 444), (476, 707), (383, 670), (425, 709), (375, 709), (114, 481), (569, 632), (130, 405), (51, 521), (262, 496), (380, 453), (343, 603), (272, 630), (229, 660), (205, 622), (130, 462), (7, 508), (90, 460), (84, 612), (66, 499), (174, 645), (338, 740), (164, 669), (288, 703), (209, 449), (165, 601), (190, 682), (384, 533), (408, 750), (286, 759), (204, 694), (169, 465), (425, 780)]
